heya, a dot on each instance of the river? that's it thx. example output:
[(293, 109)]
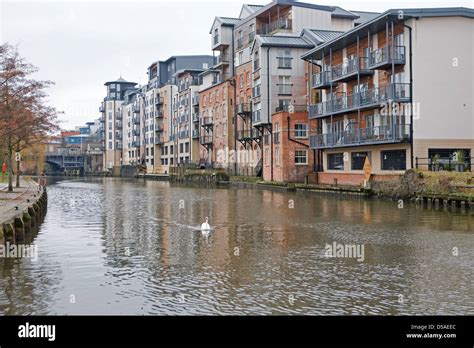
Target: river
[(113, 246)]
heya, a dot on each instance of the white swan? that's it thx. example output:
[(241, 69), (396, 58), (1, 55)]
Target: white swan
[(205, 226)]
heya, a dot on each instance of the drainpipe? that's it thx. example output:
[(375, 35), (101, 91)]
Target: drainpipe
[(291, 139), (269, 115), (411, 95), (232, 83)]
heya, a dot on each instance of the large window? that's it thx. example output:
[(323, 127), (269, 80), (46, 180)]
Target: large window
[(301, 130), (283, 105), (394, 160), (358, 160), (284, 59), (301, 157), (336, 161), (284, 85)]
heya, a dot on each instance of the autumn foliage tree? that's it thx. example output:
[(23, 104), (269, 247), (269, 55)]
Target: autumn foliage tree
[(25, 119)]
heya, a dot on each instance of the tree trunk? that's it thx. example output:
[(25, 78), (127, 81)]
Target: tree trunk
[(10, 168), (18, 174)]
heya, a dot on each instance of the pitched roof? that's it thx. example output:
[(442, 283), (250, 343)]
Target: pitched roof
[(364, 16), (227, 21), (340, 12), (376, 24), (285, 41), (323, 35)]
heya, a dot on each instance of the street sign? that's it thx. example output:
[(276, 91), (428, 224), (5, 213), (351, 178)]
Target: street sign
[(17, 157), (367, 169)]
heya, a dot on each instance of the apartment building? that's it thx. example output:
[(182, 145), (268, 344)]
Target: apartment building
[(163, 145), (113, 125), (130, 154), (378, 92), (185, 122)]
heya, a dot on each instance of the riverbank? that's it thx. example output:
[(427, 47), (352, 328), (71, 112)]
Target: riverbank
[(21, 211)]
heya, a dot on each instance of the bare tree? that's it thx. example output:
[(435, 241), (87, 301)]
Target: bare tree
[(25, 119)]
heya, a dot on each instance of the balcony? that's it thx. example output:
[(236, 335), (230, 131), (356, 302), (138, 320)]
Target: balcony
[(184, 134), (240, 42), (283, 23), (206, 122), (118, 125), (195, 117), (118, 136), (195, 100), (322, 80), (205, 139), (135, 144), (136, 132), (256, 91), (195, 134), (349, 70), (159, 128), (243, 109), (370, 98), (217, 43), (384, 57), (136, 120), (159, 114), (159, 140), (102, 119), (136, 109), (391, 133), (159, 100), (102, 108), (222, 59), (248, 134)]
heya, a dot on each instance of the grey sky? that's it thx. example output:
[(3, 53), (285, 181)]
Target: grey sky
[(80, 45)]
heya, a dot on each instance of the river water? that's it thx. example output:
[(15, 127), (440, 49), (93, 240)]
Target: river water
[(112, 246)]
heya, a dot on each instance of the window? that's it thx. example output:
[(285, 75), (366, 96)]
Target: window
[(187, 147), (393, 159), (283, 105), (301, 157), (358, 160), (181, 148), (336, 161), (277, 156), (284, 85), (110, 145), (248, 79), (267, 156), (301, 130), (110, 125), (241, 57), (284, 59), (241, 81)]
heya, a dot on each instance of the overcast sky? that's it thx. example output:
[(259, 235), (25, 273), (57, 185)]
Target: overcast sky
[(82, 44)]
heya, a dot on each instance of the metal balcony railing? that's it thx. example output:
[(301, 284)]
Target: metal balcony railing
[(222, 59), (243, 108), (184, 134), (196, 100), (136, 120), (135, 144), (205, 139), (350, 68), (159, 114), (390, 133), (372, 97), (321, 79), (102, 108), (159, 140), (136, 109), (159, 100), (280, 23), (386, 55), (136, 132), (195, 133)]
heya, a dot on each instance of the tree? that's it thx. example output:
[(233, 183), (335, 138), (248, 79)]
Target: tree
[(25, 119)]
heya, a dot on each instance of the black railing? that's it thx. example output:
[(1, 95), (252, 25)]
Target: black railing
[(445, 164), (371, 135)]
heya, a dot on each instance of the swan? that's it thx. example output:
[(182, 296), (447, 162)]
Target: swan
[(205, 225)]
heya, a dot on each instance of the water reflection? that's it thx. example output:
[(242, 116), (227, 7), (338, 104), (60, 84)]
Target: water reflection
[(111, 246)]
